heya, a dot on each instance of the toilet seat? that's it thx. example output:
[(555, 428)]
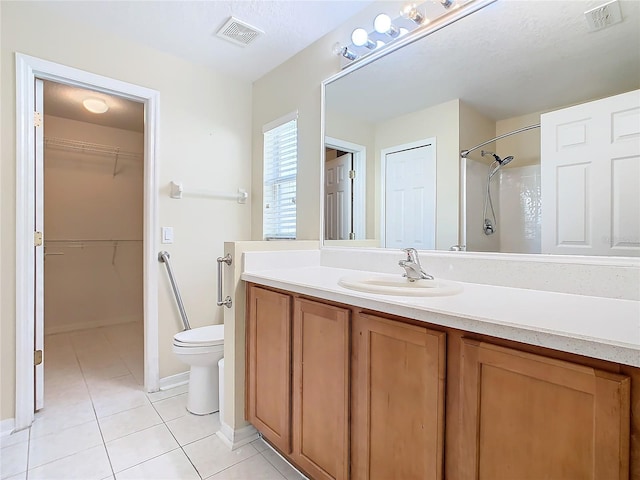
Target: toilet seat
[(211, 335)]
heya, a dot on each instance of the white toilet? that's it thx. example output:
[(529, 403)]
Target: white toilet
[(201, 348)]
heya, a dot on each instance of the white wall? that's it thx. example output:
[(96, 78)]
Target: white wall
[(97, 284), (205, 137)]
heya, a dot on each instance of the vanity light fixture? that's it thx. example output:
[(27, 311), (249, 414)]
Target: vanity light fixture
[(95, 105), (360, 38), (412, 18)]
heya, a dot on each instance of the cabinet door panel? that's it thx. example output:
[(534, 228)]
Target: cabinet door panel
[(527, 416), (269, 365), (321, 389), (398, 400)]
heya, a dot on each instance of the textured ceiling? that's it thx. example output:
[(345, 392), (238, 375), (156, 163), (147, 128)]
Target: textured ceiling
[(188, 29)]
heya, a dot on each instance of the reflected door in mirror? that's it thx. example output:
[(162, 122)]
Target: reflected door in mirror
[(338, 198), (410, 197)]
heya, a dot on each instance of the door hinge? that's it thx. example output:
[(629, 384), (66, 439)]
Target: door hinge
[(37, 239), (37, 357), (37, 119), (352, 174)]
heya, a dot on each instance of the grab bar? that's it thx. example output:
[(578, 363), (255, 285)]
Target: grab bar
[(164, 257), (227, 301)]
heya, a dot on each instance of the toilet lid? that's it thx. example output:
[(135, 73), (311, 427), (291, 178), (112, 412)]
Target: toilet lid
[(211, 335)]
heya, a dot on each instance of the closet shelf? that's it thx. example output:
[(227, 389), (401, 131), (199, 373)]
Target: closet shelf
[(90, 243), (96, 148)]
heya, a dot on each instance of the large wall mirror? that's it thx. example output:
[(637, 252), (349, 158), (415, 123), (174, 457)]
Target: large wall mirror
[(401, 122)]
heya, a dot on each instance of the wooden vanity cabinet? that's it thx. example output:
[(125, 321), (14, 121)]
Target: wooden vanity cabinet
[(268, 365), (397, 408), (528, 416), (297, 387), (345, 393), (320, 367)]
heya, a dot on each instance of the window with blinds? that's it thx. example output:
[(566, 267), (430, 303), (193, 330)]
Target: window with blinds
[(280, 171)]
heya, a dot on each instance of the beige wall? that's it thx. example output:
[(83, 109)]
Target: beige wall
[(296, 85), (205, 137), (355, 130), (525, 146), (97, 284), (442, 123)]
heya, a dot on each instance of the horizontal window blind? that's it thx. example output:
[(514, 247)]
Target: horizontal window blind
[(280, 170)]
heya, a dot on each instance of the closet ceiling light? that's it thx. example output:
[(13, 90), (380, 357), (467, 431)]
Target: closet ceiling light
[(95, 105)]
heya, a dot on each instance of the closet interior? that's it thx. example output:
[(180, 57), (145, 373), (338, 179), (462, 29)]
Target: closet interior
[(93, 237)]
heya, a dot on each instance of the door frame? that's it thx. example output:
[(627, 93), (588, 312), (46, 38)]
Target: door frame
[(29, 68), (383, 179), (359, 185)]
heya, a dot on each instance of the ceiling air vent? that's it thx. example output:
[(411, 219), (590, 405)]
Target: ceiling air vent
[(239, 32), (603, 16)]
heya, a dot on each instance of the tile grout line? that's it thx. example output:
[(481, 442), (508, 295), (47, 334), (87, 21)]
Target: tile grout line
[(26, 474), (84, 423), (174, 437), (93, 407)]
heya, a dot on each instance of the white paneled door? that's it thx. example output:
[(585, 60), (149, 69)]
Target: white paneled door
[(590, 167), (410, 198), (338, 198), (39, 249)]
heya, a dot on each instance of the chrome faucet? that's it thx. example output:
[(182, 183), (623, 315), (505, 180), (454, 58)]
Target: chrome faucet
[(412, 267)]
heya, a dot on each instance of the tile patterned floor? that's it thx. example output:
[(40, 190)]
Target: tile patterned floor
[(98, 423)]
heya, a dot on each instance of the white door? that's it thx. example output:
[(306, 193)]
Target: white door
[(39, 250), (410, 198), (338, 198), (590, 172)]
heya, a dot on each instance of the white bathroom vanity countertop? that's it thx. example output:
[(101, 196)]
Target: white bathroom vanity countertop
[(597, 327)]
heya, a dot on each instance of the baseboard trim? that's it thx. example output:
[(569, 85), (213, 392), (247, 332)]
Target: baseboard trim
[(173, 381), (72, 327), (238, 437), (7, 426)]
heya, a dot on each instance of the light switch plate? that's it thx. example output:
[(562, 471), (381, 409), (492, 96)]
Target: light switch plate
[(167, 234)]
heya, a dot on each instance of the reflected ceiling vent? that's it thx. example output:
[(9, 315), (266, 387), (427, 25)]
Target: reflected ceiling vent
[(603, 16), (239, 32)]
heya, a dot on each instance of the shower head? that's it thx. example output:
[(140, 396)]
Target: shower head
[(505, 160), (497, 158)]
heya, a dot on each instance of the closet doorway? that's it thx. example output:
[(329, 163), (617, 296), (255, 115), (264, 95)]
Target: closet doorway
[(92, 219), (29, 195)]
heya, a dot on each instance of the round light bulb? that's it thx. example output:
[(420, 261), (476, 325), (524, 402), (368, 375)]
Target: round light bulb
[(382, 23), (95, 105), (360, 37)]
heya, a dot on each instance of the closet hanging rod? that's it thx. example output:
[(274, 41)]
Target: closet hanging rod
[(88, 242), (63, 143)]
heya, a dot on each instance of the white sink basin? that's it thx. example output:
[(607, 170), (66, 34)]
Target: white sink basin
[(398, 285)]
